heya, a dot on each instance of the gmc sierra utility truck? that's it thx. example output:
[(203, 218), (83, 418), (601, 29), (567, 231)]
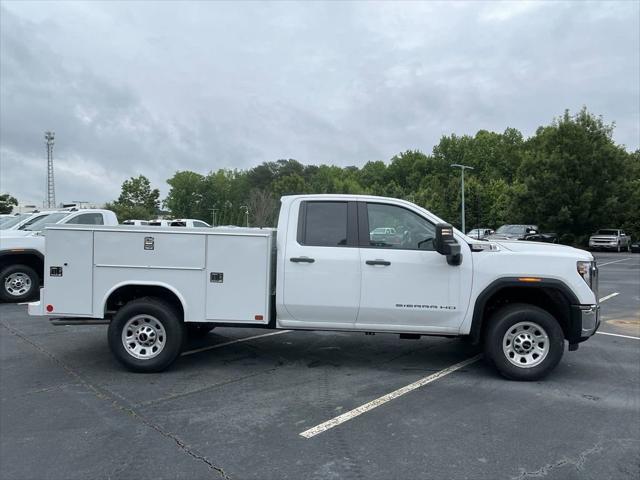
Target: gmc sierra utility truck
[(324, 268)]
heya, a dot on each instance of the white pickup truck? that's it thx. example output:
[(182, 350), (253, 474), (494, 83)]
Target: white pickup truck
[(323, 270), (22, 250)]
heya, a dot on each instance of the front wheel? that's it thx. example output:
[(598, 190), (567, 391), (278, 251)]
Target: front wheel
[(146, 335), (18, 283), (524, 342)]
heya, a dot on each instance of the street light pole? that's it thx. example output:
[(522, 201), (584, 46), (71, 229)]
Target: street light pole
[(246, 212), (462, 169), (213, 216)]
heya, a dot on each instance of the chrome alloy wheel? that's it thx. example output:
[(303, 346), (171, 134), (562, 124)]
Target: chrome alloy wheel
[(143, 337), (525, 344), (17, 284)]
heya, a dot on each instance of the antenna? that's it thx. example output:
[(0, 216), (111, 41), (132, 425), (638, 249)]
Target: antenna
[(51, 187)]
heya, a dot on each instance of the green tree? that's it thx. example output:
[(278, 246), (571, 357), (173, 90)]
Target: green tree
[(137, 199), (573, 176), (7, 202), (185, 195)]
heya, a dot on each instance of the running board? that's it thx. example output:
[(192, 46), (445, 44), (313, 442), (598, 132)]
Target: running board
[(78, 321)]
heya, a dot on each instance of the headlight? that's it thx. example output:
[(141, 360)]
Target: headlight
[(584, 269)]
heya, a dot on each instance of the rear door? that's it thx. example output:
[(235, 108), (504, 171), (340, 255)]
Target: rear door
[(322, 265)]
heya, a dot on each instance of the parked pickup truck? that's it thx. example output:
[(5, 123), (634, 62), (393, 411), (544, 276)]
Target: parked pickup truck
[(322, 270), (22, 251), (610, 239)]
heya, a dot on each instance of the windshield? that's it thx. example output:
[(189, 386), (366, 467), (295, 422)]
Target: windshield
[(607, 232), (9, 222), (41, 222), (510, 229)]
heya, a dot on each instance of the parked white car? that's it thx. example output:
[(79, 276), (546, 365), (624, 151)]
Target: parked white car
[(189, 223), (322, 270), (159, 223), (136, 222)]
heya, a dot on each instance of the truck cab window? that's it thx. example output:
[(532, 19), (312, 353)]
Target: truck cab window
[(391, 226), (324, 224)]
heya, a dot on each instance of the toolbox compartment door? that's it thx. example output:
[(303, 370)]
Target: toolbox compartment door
[(238, 278), (68, 272)]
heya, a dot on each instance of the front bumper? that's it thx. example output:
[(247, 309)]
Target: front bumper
[(585, 321), (604, 245)]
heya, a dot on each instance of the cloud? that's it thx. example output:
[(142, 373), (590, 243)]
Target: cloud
[(150, 88)]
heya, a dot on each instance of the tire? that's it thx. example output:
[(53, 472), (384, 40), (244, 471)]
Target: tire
[(18, 283), (512, 336), (146, 335), (196, 330)]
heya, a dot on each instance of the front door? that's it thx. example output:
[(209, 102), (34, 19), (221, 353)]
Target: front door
[(322, 266), (406, 284)]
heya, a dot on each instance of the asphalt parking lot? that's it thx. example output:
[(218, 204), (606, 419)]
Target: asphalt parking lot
[(237, 410)]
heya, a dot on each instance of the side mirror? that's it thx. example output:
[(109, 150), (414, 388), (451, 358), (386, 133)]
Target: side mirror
[(446, 244)]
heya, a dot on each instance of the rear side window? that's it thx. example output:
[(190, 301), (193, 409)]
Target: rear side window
[(87, 219), (323, 224)]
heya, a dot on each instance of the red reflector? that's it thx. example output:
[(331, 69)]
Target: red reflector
[(259, 317), (49, 308)]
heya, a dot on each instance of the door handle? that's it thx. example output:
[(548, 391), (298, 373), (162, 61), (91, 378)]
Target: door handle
[(378, 262), (302, 260)]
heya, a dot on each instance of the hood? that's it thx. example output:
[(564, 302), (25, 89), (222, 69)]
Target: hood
[(603, 237), (16, 233), (31, 242), (544, 248)]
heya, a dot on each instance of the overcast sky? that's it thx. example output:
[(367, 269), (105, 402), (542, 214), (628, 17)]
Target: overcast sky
[(154, 87)]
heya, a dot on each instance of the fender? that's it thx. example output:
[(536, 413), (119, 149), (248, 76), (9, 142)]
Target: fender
[(508, 282), (21, 251), (145, 284)]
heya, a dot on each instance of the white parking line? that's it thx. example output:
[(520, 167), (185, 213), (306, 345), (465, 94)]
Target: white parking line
[(604, 299), (618, 335), (615, 261), (224, 344), (323, 427)]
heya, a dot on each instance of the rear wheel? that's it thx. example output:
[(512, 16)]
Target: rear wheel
[(524, 342), (18, 283), (146, 335)]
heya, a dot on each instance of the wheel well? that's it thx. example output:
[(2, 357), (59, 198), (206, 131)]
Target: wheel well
[(127, 293), (548, 298), (29, 259)]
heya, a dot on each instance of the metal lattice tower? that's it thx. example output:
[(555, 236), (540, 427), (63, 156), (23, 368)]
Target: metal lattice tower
[(51, 187)]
